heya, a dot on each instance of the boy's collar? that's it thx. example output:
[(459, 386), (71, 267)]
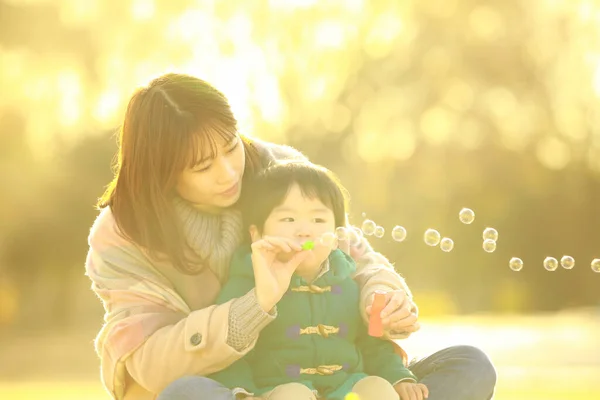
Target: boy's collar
[(325, 266)]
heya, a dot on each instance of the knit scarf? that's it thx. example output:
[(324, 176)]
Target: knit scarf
[(213, 237)]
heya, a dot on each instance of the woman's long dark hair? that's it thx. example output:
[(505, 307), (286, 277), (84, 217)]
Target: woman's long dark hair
[(164, 123)]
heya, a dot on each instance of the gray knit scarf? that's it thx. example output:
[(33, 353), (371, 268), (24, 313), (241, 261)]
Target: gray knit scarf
[(214, 237)]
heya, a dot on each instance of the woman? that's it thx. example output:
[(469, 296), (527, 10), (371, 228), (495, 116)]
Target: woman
[(161, 246)]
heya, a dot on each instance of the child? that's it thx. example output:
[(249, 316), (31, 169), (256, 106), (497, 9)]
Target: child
[(318, 346)]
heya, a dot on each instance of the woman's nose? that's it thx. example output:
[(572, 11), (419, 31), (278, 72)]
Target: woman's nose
[(227, 172)]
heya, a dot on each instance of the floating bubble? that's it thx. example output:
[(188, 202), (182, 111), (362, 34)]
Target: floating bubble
[(489, 245), (596, 265), (550, 263), (368, 227), (341, 233), (490, 233), (399, 233), (379, 232), (516, 264), (355, 236), (567, 262), (328, 239), (364, 215), (446, 244), (431, 237), (466, 216)]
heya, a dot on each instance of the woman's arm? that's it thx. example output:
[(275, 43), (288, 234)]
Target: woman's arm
[(151, 336), (199, 344)]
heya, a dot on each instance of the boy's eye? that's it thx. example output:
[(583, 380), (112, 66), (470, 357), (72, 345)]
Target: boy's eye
[(288, 219), (320, 220)]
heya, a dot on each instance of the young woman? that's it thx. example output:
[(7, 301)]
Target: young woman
[(161, 247)]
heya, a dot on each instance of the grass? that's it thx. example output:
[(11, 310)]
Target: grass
[(542, 357), (92, 391), (52, 391)]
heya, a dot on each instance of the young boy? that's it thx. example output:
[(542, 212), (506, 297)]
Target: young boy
[(318, 346)]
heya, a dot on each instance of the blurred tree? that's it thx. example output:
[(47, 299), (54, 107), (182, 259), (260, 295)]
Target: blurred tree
[(421, 107)]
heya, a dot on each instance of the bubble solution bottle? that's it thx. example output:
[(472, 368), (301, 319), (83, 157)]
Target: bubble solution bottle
[(375, 324)]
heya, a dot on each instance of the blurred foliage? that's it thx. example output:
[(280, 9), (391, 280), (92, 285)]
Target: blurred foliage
[(422, 108)]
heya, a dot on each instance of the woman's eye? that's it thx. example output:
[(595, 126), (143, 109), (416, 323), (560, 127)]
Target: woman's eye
[(231, 150), (320, 220), (289, 219), (203, 169)]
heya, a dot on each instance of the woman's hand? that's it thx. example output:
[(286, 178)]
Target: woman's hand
[(274, 260), (397, 315), (411, 391)]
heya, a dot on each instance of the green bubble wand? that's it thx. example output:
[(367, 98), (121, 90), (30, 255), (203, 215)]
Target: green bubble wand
[(308, 245)]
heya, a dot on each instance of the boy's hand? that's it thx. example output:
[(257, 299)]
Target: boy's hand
[(411, 391), (272, 274)]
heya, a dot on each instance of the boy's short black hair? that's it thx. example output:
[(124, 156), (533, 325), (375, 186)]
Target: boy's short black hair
[(269, 188)]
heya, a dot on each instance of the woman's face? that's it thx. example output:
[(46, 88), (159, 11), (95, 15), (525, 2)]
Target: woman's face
[(215, 183)]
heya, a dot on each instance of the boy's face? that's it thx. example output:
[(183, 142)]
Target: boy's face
[(301, 219)]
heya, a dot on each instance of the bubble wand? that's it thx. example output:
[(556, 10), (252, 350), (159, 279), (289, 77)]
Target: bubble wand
[(308, 245)]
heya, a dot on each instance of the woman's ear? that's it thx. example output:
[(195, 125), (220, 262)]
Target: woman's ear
[(254, 233)]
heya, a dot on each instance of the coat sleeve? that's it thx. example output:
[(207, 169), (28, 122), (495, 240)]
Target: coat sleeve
[(380, 359), (374, 272), (238, 374), (146, 338)]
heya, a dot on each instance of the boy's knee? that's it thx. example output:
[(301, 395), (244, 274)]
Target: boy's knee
[(374, 388), (290, 391)]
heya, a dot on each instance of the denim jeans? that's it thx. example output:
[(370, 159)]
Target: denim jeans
[(455, 373)]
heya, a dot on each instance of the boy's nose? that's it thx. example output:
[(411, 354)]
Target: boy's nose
[(304, 233)]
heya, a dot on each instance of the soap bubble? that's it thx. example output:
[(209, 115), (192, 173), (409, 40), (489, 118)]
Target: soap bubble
[(379, 232), (550, 263), (446, 244), (489, 245), (364, 215), (490, 233), (466, 216), (368, 227), (516, 264), (355, 236), (341, 233), (431, 237), (328, 239), (399, 233), (596, 265), (567, 262)]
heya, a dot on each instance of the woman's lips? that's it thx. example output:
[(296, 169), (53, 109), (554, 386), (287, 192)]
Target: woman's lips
[(231, 191)]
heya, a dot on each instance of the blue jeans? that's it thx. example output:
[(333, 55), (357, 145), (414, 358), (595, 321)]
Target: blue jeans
[(455, 373)]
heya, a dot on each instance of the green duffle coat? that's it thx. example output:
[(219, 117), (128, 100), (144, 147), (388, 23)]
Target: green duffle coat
[(318, 338)]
